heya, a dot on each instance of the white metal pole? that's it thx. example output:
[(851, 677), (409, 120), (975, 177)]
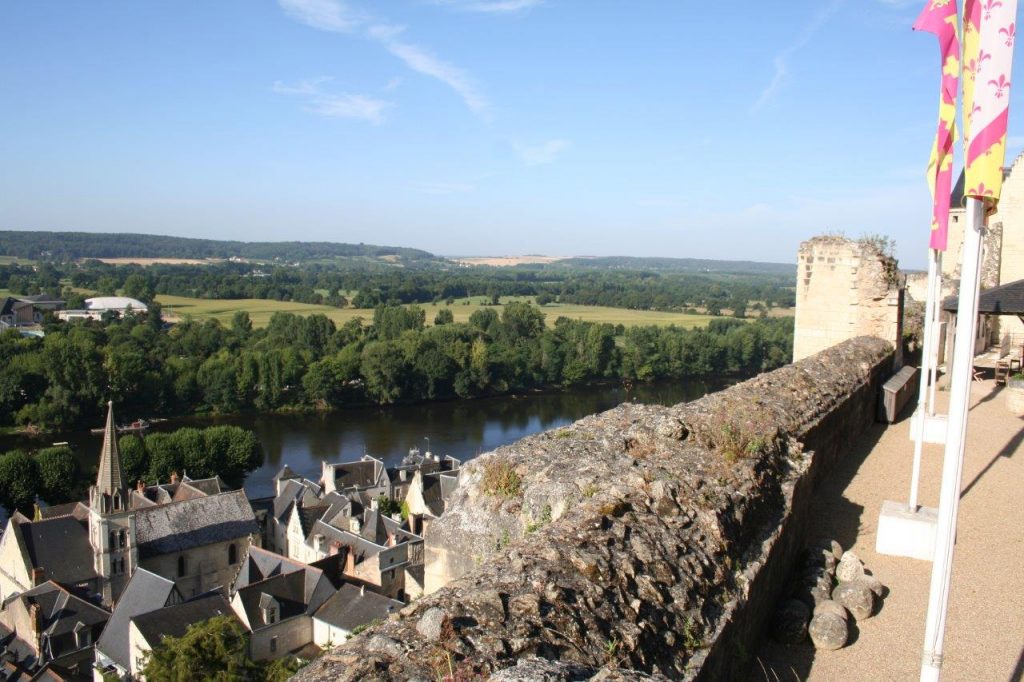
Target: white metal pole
[(922, 393), (959, 403), (933, 359)]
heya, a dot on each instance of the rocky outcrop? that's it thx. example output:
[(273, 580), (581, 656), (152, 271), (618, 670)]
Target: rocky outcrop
[(645, 540)]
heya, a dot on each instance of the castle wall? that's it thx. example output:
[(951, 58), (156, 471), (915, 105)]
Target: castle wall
[(1010, 218), (670, 531), (206, 567), (844, 289)]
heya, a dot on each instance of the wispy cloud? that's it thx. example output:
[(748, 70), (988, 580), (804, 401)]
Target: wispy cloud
[(337, 16), (541, 154), (421, 61), (781, 60), (335, 105), (490, 6), (326, 15)]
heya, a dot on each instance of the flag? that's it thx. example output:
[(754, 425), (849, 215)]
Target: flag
[(940, 17), (989, 31)]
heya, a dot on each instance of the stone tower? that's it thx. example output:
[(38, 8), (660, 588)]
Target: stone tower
[(845, 288), (111, 522)]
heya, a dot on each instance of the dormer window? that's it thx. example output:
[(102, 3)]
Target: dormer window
[(181, 566), (83, 635), (268, 609)]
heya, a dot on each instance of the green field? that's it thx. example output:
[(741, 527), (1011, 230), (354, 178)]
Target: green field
[(261, 310)]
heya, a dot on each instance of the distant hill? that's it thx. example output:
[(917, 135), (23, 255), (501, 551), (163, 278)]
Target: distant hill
[(694, 265), (72, 245)]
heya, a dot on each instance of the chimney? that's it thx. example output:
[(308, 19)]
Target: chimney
[(318, 542), (403, 474), (396, 517), (355, 525), (375, 504), (174, 477), (38, 576), (35, 614), (140, 486)]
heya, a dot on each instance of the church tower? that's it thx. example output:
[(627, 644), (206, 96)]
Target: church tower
[(111, 522)]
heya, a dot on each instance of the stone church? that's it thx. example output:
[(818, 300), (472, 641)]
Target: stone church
[(195, 533)]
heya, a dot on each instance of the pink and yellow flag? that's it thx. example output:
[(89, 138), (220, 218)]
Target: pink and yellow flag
[(989, 31), (940, 17)]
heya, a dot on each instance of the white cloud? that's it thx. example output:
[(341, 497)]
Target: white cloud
[(335, 105), (781, 60), (326, 15), (541, 154), (418, 59), (490, 6)]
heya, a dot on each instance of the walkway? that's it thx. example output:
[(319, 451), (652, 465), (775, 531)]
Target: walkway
[(985, 627)]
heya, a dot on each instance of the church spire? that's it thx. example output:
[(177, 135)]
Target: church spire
[(110, 477)]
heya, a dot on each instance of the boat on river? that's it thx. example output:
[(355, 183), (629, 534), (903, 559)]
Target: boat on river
[(137, 426)]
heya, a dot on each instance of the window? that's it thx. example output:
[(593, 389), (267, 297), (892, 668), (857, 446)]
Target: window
[(181, 566), (122, 539), (232, 554), (273, 644), (112, 542)]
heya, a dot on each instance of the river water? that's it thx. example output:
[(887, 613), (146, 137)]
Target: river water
[(462, 429)]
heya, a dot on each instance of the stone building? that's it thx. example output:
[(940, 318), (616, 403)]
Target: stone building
[(193, 533), (48, 633), (845, 289)]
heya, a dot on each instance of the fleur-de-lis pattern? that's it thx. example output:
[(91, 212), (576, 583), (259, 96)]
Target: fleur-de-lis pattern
[(940, 18), (989, 33)]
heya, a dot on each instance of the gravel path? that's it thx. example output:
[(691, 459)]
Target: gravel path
[(985, 627)]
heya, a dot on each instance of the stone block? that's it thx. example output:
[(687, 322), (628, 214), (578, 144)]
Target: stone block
[(902, 532)]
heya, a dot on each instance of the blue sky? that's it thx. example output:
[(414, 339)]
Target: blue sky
[(473, 127)]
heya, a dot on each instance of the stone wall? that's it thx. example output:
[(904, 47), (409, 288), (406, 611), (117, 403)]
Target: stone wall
[(844, 289), (652, 540)]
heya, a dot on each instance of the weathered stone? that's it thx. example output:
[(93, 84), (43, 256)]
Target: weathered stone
[(431, 623), (875, 585), (384, 645), (790, 623), (850, 568), (576, 589), (857, 597), (830, 606), (828, 631)]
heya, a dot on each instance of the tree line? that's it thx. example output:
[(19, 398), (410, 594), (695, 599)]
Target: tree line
[(54, 475), (64, 379), (368, 287)]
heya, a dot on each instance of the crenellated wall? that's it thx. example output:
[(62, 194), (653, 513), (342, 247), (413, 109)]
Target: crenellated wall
[(650, 539)]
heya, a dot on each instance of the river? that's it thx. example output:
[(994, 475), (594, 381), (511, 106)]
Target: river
[(462, 429)]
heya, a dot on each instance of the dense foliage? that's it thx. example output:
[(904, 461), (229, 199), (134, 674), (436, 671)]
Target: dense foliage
[(53, 473), (65, 379), (23, 476), (367, 287), (215, 649), (74, 245)]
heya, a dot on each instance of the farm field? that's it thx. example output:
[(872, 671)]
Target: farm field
[(261, 310)]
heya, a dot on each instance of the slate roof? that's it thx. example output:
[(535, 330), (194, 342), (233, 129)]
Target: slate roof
[(373, 528), (262, 564), (289, 589), (192, 523), (351, 607), (173, 621), (61, 610), (145, 592), (362, 474), (110, 477), (76, 509), (61, 547), (1006, 299)]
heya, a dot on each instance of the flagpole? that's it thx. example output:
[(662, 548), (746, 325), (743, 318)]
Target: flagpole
[(933, 359), (926, 372), (952, 465)]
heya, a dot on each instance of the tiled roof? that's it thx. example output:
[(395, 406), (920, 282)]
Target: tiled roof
[(61, 547), (351, 607), (173, 621), (145, 592), (1006, 299), (192, 523)]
